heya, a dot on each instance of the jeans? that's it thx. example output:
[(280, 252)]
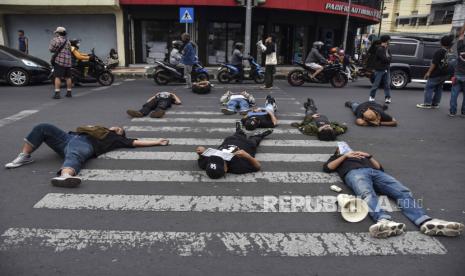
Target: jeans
[(75, 149), (269, 75), (269, 107), (365, 182), (253, 140), (155, 104), (434, 86), (458, 87), (242, 104), (353, 106), (382, 76), (188, 75)]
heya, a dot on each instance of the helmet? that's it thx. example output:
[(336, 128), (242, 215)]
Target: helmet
[(75, 42), (239, 45), (333, 50), (177, 44), (318, 44)]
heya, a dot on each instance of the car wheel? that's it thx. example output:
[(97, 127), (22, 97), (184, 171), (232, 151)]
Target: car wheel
[(18, 77), (399, 79)]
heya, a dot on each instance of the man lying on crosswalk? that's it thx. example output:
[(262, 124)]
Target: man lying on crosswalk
[(235, 155), (319, 125), (260, 117), (156, 105), (371, 114), (76, 147), (365, 176), (236, 101)]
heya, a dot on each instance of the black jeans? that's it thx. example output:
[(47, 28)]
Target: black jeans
[(240, 74), (311, 109), (154, 105), (253, 140), (270, 70)]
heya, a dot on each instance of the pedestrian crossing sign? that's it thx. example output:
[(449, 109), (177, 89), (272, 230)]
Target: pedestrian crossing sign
[(186, 15)]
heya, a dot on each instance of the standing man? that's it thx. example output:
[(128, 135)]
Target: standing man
[(382, 62), (23, 42), (458, 82), (61, 61), (188, 58), (437, 74), (269, 49)]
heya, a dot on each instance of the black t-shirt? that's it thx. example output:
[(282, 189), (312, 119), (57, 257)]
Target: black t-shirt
[(374, 106), (111, 142), (236, 165), (321, 121), (440, 60), (263, 117), (461, 58), (348, 165)]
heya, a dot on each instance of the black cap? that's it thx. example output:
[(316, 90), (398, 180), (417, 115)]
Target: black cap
[(215, 167), (251, 123)]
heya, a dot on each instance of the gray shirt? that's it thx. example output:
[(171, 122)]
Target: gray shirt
[(315, 57)]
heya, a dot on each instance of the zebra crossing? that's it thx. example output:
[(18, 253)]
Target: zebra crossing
[(189, 243)]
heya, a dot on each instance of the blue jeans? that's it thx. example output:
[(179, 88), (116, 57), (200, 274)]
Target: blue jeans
[(354, 106), (366, 182), (382, 76), (458, 87), (434, 86), (242, 104), (75, 149)]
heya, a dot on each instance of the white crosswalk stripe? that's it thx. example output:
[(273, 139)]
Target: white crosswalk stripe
[(198, 129), (190, 156), (265, 143), (180, 112), (200, 120)]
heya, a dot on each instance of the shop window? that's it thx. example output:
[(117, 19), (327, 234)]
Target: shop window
[(298, 49), (403, 49), (157, 37), (221, 39)]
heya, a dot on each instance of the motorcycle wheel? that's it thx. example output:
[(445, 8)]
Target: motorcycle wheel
[(224, 77), (161, 78), (296, 77), (338, 80), (202, 77), (105, 78), (259, 78)]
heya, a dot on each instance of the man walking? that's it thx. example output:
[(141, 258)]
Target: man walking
[(437, 74), (188, 58), (458, 84), (23, 42), (61, 61), (382, 62)]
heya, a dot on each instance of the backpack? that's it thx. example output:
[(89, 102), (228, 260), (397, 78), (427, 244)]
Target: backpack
[(201, 89)]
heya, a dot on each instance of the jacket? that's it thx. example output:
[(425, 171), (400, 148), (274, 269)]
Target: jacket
[(309, 127), (226, 97), (236, 57), (175, 56), (188, 54), (315, 57), (382, 59), (270, 51)]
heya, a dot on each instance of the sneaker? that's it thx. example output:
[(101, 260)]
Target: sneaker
[(272, 101), (69, 94), (371, 99), (451, 115), (134, 113), (22, 159), (157, 113), (348, 104), (56, 96), (437, 227), (239, 128), (266, 87), (263, 134), (386, 228), (387, 100), (227, 111), (66, 181), (424, 106), (435, 106)]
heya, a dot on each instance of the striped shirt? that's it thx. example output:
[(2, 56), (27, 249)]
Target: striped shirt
[(64, 57)]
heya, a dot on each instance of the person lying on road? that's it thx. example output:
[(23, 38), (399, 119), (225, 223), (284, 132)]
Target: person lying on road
[(236, 101), (156, 105), (371, 114), (260, 117)]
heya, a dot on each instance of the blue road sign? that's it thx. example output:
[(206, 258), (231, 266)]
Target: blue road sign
[(186, 15)]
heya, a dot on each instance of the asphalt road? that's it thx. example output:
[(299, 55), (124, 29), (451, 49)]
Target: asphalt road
[(151, 216)]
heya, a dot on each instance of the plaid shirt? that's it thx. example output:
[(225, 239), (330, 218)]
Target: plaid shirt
[(64, 57)]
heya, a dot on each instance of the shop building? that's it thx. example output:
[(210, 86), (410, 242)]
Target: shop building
[(151, 25)]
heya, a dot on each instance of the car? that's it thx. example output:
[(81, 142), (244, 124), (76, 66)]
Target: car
[(411, 58), (20, 69)]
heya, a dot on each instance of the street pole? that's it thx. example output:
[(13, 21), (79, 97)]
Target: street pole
[(344, 44), (381, 19), (248, 26), (187, 29)]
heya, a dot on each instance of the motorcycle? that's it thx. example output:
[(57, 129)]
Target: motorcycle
[(229, 72), (166, 73), (332, 73), (92, 72)]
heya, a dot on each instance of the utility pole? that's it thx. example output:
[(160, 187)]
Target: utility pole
[(344, 44), (381, 19), (248, 26)]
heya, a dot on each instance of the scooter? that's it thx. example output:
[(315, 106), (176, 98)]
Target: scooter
[(332, 73), (94, 71), (166, 73), (229, 72)]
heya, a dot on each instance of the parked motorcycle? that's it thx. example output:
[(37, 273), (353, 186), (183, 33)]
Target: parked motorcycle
[(166, 73), (229, 72), (332, 73)]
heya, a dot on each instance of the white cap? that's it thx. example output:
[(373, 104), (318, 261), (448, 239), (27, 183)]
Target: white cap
[(343, 147), (60, 30)]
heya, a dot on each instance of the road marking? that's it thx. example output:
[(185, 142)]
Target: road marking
[(129, 79), (200, 120), (179, 203), (200, 176), (100, 88), (264, 143), (189, 156), (117, 83), (301, 115), (203, 244), (199, 129), (16, 117)]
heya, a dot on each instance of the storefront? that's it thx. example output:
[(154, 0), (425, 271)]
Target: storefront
[(152, 25)]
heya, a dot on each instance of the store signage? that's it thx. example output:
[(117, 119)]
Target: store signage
[(186, 15), (356, 10)]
